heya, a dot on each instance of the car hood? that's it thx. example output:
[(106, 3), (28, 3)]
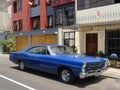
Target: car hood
[(82, 58)]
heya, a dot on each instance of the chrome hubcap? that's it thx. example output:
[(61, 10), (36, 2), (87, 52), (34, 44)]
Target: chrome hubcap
[(65, 75), (22, 65)]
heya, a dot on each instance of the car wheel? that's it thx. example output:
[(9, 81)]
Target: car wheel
[(66, 76), (22, 65)]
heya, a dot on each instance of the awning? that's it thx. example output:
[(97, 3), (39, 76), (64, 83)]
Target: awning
[(75, 26)]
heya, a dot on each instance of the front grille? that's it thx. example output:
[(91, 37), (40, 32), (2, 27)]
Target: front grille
[(95, 66)]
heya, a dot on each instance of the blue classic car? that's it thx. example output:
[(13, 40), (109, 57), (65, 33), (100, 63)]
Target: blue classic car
[(59, 60)]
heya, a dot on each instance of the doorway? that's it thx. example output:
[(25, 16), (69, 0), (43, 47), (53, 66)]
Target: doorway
[(91, 44)]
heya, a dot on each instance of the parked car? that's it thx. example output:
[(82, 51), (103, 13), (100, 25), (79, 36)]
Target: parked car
[(59, 60)]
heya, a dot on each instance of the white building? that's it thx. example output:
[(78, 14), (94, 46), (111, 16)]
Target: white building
[(5, 15), (5, 19), (98, 22)]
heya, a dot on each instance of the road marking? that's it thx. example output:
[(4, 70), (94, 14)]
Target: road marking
[(18, 83)]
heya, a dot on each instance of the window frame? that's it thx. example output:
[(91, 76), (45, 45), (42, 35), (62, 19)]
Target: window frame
[(112, 42), (18, 25), (48, 25), (15, 10), (47, 52), (36, 20), (70, 39), (19, 5)]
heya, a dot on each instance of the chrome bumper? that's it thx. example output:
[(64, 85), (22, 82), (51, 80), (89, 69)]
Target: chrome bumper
[(91, 73)]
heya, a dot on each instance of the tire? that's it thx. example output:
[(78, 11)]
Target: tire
[(66, 76), (22, 65)]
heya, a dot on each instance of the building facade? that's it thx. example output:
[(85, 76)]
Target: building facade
[(39, 21), (98, 22), (5, 20)]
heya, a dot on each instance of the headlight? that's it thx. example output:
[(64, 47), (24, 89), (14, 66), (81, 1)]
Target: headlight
[(107, 63), (84, 67)]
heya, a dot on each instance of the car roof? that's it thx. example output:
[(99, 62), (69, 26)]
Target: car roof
[(45, 45)]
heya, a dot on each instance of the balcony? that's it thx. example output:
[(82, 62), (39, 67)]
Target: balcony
[(61, 2), (35, 11)]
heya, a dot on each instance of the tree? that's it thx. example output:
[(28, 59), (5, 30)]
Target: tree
[(8, 45)]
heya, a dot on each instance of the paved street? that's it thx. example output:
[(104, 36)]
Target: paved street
[(11, 78)]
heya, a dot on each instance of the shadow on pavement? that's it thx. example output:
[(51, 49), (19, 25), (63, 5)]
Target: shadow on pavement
[(81, 83), (88, 81)]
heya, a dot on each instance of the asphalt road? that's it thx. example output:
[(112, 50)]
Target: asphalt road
[(11, 78)]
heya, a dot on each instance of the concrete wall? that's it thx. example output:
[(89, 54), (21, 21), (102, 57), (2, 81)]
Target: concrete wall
[(101, 40), (107, 13), (5, 15)]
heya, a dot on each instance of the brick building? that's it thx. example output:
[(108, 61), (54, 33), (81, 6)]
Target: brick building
[(37, 21)]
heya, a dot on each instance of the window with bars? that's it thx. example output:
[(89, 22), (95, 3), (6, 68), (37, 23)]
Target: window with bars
[(69, 38), (112, 42), (65, 16), (68, 16)]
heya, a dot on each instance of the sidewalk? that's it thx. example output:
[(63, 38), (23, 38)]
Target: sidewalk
[(4, 55), (112, 72)]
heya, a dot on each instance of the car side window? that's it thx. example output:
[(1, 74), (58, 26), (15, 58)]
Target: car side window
[(39, 50)]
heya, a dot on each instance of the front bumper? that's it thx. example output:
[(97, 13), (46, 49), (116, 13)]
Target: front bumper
[(91, 73)]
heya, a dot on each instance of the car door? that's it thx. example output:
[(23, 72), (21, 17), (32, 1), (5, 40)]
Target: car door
[(39, 59)]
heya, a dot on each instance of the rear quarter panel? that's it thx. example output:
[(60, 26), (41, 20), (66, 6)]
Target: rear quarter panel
[(15, 56)]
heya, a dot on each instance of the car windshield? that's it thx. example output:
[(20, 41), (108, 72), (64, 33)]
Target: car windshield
[(58, 50)]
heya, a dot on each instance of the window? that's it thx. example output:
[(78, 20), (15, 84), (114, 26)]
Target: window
[(50, 21), (84, 4), (116, 1), (17, 25), (15, 7), (58, 17), (69, 16), (19, 5), (20, 25), (36, 2), (112, 42), (39, 50), (48, 2), (36, 23), (65, 16), (69, 38)]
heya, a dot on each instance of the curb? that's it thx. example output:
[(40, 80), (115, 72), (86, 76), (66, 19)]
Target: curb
[(4, 55), (110, 76), (112, 73)]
